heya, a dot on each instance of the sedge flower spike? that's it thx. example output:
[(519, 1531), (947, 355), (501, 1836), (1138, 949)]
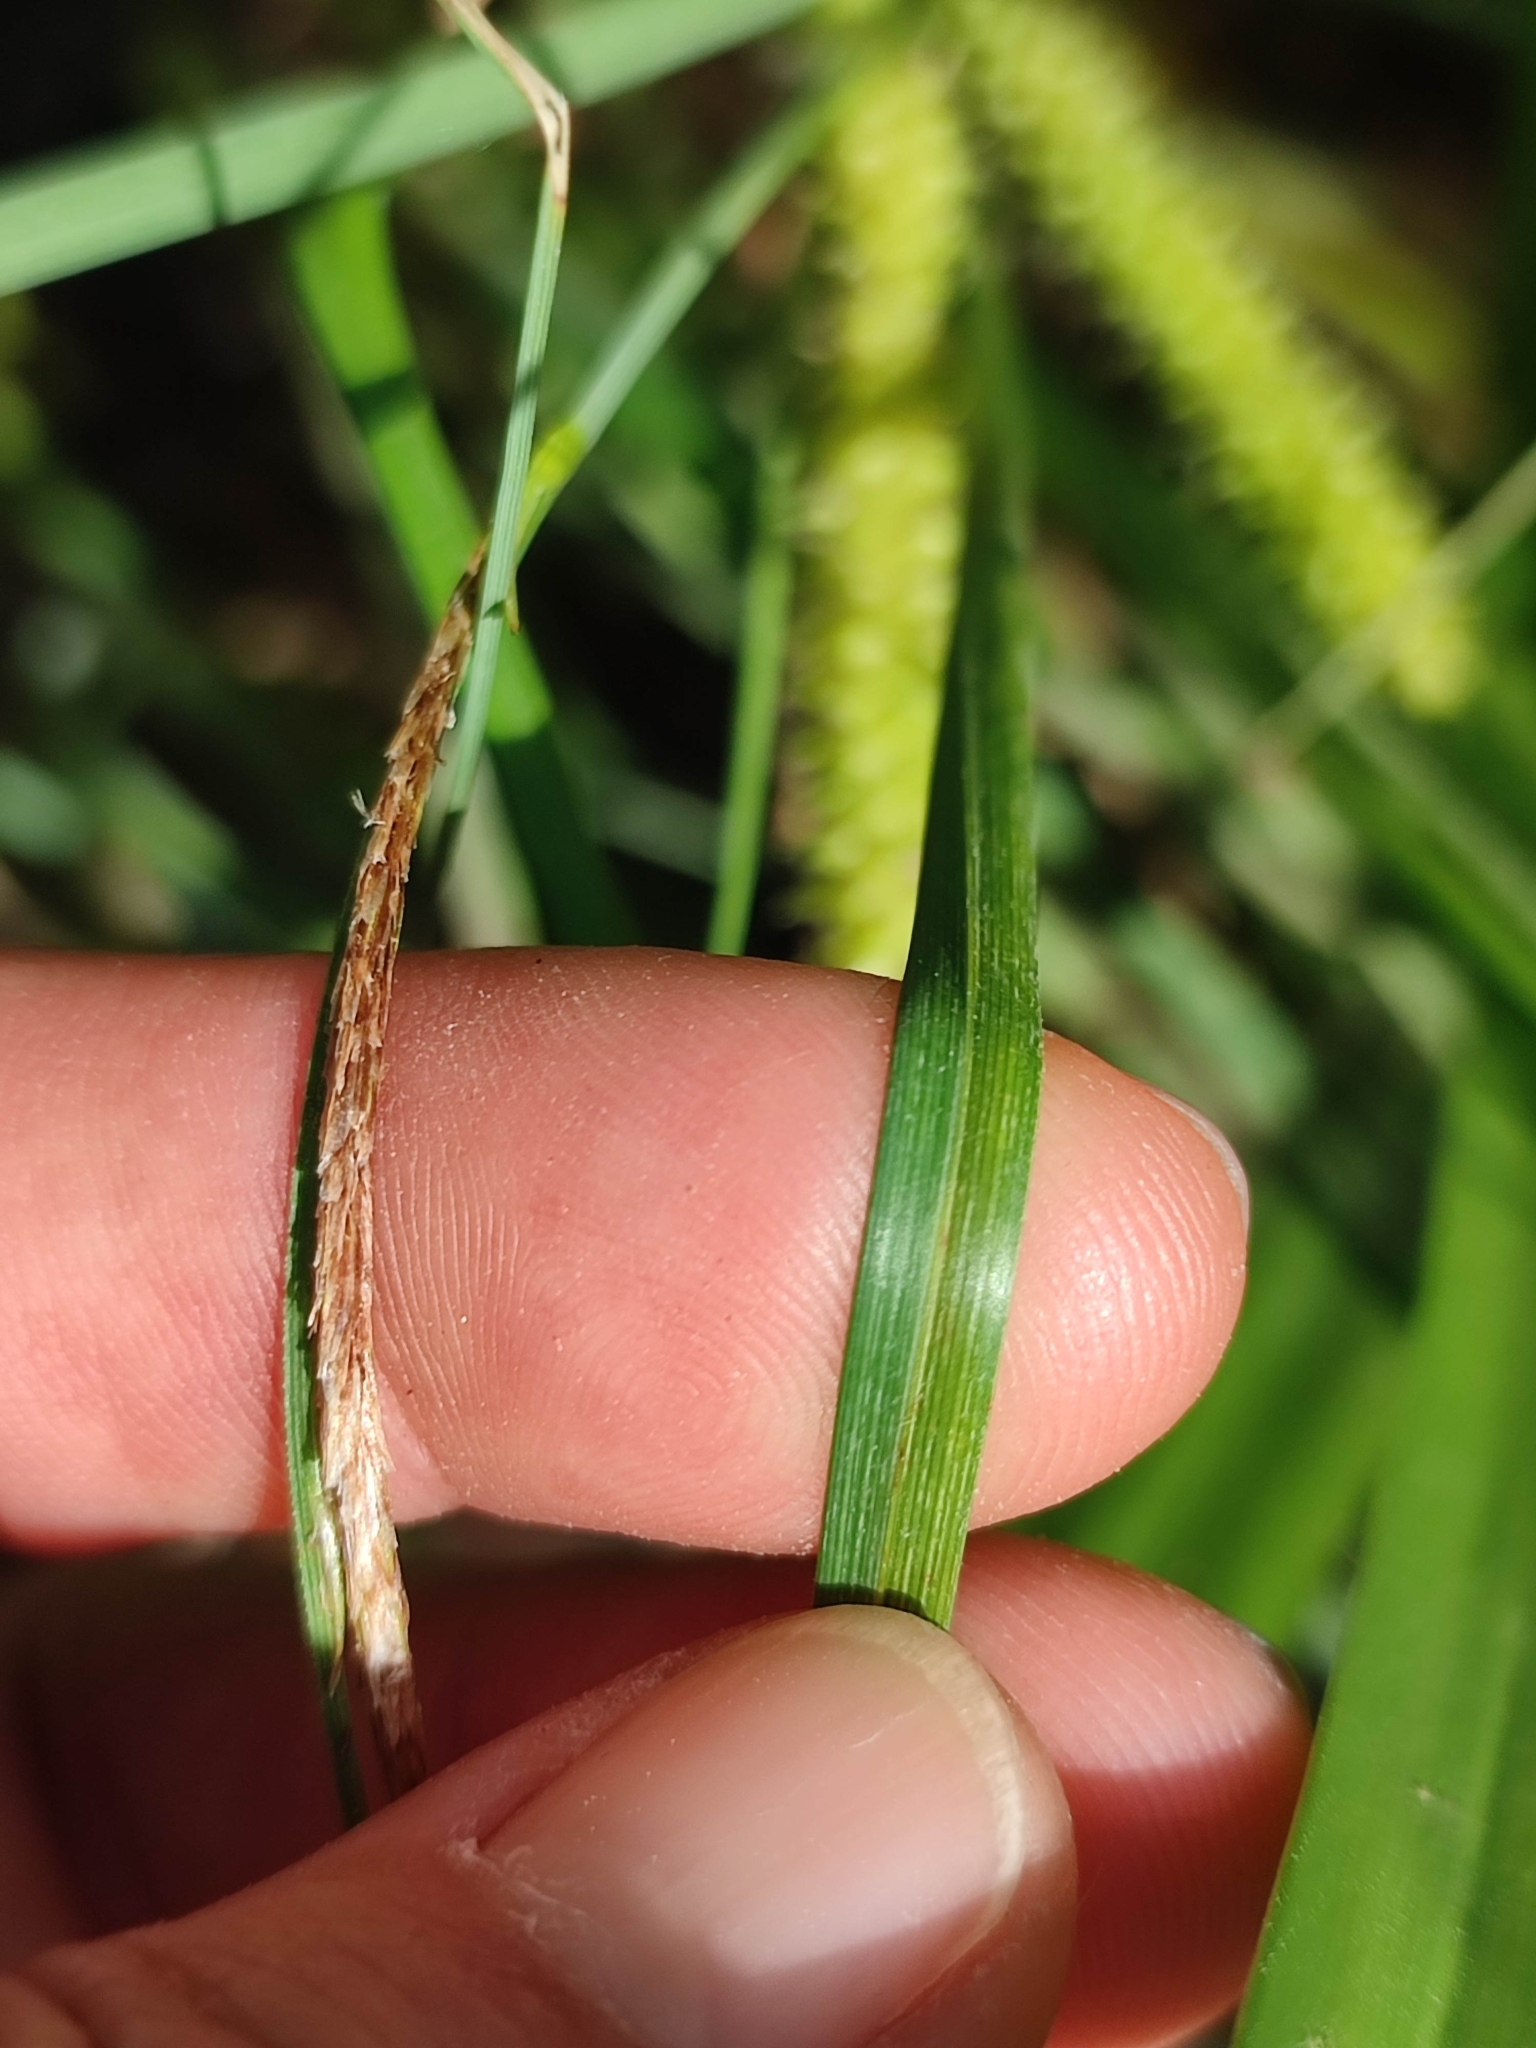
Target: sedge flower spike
[(880, 512), (1290, 437)]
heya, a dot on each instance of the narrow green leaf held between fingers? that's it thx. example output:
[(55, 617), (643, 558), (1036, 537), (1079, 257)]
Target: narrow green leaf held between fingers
[(1404, 1911), (942, 1234)]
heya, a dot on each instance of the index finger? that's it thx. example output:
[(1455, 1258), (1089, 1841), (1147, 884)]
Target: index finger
[(619, 1204)]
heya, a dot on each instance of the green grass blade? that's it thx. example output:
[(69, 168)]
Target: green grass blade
[(302, 142), (1467, 871), (755, 721), (942, 1234), (345, 278), (579, 900), (1244, 1040), (1250, 1499), (344, 274), (674, 282), (498, 603), (318, 1579), (1402, 1916)]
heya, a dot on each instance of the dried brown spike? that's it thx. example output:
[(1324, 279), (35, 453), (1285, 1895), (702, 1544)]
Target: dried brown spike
[(354, 1458)]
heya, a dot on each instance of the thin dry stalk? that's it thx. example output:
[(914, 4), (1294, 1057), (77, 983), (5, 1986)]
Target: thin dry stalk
[(548, 105), (354, 1458)]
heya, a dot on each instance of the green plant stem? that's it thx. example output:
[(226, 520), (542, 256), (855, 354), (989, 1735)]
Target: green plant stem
[(346, 281), (942, 1235), (345, 278), (1402, 1915), (754, 725), (318, 1578), (498, 603), (673, 283), (302, 142), (579, 900)]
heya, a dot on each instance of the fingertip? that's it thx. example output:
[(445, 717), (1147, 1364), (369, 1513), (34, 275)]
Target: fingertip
[(1130, 1277), (831, 1830)]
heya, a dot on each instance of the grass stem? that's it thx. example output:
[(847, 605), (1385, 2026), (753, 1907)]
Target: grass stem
[(755, 718)]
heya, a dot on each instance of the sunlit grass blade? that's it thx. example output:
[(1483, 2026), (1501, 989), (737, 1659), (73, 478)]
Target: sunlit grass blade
[(345, 278), (754, 724), (1250, 1500), (302, 142), (942, 1233), (344, 275), (1401, 1919), (674, 281)]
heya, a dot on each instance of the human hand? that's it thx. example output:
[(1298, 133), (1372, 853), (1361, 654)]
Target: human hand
[(620, 1198)]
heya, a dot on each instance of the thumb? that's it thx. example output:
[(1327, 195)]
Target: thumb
[(830, 1829)]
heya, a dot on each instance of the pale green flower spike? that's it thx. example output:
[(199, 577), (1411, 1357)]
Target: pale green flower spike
[(880, 514), (1291, 438)]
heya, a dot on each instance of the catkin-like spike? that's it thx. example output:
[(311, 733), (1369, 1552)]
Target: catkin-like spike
[(880, 512), (354, 1459), (1292, 439)]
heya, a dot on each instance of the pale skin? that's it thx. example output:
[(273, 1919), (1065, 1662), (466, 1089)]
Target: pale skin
[(619, 1206)]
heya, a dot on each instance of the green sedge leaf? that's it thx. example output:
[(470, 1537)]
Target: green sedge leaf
[(1402, 1918), (942, 1235)]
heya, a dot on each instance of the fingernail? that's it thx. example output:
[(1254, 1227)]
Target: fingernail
[(1220, 1144), (789, 1842)]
